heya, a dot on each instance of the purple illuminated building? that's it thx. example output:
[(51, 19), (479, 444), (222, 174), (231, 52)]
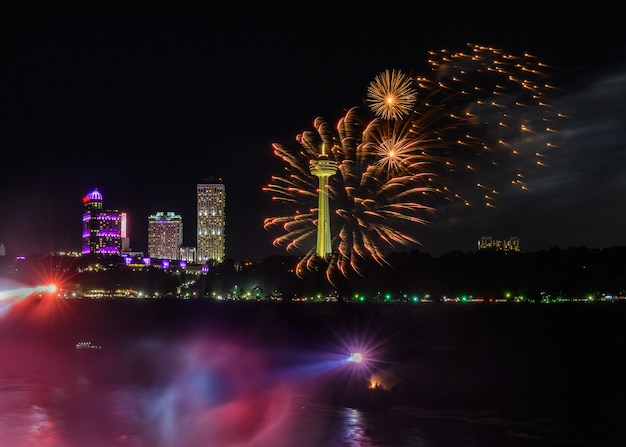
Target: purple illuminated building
[(102, 229)]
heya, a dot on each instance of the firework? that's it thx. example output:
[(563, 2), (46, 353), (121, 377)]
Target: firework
[(480, 122), (391, 95)]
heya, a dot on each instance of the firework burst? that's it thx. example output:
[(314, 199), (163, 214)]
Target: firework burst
[(479, 123), (391, 95)]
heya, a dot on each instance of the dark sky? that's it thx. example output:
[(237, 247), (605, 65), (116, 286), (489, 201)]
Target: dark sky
[(143, 105)]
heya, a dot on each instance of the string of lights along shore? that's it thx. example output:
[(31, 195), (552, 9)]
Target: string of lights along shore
[(104, 231)]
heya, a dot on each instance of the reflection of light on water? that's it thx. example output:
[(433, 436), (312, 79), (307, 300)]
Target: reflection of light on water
[(30, 417), (354, 428), (42, 430), (24, 422)]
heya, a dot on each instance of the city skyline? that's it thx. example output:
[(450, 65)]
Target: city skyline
[(146, 111)]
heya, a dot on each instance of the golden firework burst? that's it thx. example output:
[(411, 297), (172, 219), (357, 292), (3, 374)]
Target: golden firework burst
[(391, 95)]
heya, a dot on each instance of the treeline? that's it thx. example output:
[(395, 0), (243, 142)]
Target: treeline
[(575, 272), (568, 273)]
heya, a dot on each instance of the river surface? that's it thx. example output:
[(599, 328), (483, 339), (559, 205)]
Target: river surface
[(32, 416), (105, 375)]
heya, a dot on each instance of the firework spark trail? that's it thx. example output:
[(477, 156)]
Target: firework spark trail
[(504, 117), (479, 124)]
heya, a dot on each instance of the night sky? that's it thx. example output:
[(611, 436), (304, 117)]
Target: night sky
[(144, 105)]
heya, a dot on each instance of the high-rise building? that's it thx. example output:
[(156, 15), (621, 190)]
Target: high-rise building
[(165, 235), (101, 228), (211, 221), (124, 232)]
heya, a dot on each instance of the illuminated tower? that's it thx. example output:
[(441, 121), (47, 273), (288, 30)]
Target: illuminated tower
[(124, 231), (211, 240), (165, 235), (101, 228), (323, 168)]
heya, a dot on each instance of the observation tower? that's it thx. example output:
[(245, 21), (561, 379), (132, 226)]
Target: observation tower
[(323, 168)]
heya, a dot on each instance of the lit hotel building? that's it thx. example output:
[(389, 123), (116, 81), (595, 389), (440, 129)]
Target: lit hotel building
[(211, 221), (165, 235), (102, 233)]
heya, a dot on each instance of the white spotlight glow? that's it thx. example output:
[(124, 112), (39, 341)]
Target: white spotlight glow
[(355, 357)]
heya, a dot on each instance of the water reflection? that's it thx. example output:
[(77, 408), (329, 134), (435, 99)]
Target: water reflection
[(37, 413), (352, 424)]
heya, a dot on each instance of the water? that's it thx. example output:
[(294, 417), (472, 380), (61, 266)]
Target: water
[(85, 376), (36, 414)]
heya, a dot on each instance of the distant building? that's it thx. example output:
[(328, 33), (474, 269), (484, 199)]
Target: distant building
[(132, 254), (188, 254), (165, 235), (489, 243), (124, 232), (211, 221), (102, 232)]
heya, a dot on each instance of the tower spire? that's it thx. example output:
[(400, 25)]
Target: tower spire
[(323, 168)]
